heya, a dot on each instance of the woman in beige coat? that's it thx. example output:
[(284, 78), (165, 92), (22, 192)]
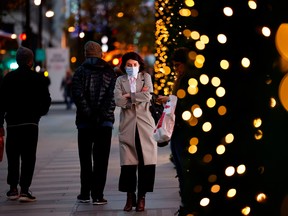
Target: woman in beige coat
[(138, 149)]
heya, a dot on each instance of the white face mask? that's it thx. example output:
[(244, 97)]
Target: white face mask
[(132, 71)]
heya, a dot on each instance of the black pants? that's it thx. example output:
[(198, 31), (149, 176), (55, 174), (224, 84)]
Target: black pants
[(94, 148), (21, 143), (128, 181)]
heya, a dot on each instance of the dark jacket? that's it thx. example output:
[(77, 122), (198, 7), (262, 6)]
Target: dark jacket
[(93, 84), (24, 97)]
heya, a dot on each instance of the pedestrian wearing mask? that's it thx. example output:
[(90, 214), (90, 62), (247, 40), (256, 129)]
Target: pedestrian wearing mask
[(138, 149)]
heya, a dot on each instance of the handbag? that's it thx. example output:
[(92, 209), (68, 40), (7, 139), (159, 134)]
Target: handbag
[(165, 125), (156, 110)]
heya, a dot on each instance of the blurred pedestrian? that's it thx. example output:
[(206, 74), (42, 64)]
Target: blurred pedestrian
[(92, 89), (180, 137), (24, 99), (138, 149), (66, 86)]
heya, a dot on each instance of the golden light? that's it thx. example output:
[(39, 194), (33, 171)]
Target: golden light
[(207, 126), (187, 33), (220, 91), (71, 29), (200, 45), (192, 149), (282, 92), (204, 39), (281, 40), (245, 62), (252, 4), (120, 14), (194, 141), (204, 202), (258, 135), (222, 38), (215, 81), (73, 59), (197, 112), (193, 82), (215, 188), (186, 115), (230, 171), (189, 3), (220, 149), (167, 70), (185, 12), (241, 169), (257, 122), (195, 35), (200, 59), (228, 11), (246, 210), (224, 64), (207, 158), (222, 110), (192, 90), (229, 138), (273, 103), (212, 178), (231, 193), (261, 197), (211, 102), (192, 55), (3, 51), (193, 121), (204, 79), (115, 61), (181, 93), (266, 31)]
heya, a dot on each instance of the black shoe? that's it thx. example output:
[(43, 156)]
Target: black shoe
[(27, 197), (12, 194), (101, 201), (83, 199)]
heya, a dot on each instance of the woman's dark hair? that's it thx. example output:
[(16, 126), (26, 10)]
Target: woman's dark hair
[(134, 56)]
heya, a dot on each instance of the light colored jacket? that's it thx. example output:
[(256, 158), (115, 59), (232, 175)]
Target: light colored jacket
[(135, 111)]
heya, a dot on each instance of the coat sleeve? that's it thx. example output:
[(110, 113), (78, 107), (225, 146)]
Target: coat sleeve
[(118, 95), (144, 96)]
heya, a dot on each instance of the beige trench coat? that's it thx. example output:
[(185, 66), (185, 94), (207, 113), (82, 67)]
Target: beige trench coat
[(135, 111)]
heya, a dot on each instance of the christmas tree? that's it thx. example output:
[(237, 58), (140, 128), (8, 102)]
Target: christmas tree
[(231, 103)]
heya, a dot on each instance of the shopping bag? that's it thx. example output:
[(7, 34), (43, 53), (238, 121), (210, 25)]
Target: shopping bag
[(165, 125)]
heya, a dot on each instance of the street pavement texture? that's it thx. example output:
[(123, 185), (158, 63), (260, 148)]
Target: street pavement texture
[(56, 181)]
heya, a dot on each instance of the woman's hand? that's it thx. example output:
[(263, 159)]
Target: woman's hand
[(127, 95), (144, 89), (162, 99)]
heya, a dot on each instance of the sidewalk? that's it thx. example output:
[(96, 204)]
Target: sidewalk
[(56, 181)]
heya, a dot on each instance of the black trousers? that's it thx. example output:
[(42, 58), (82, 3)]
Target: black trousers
[(94, 148), (128, 181), (21, 143)]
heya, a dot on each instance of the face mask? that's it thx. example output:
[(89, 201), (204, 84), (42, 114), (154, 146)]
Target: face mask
[(132, 71)]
